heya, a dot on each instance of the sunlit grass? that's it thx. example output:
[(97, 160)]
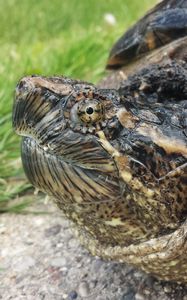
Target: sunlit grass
[(51, 37)]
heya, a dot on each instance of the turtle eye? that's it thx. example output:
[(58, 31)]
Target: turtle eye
[(87, 111), (90, 111)]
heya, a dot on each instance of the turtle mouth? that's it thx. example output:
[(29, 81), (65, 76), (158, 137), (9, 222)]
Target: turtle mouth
[(68, 182), (73, 148)]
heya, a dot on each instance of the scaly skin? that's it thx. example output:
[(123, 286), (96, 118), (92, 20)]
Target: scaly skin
[(115, 162)]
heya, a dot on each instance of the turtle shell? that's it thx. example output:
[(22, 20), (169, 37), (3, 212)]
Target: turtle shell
[(166, 22)]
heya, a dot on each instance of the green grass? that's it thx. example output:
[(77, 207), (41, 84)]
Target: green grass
[(46, 37)]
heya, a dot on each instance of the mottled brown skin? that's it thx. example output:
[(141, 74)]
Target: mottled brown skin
[(122, 178), (115, 160)]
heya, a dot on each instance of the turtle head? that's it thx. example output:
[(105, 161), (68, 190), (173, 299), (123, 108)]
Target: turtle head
[(61, 121)]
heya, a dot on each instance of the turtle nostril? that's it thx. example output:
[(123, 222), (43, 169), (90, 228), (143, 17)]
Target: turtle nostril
[(21, 84), (24, 87)]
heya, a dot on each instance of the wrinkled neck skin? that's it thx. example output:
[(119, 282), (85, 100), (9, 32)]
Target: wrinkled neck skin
[(96, 171)]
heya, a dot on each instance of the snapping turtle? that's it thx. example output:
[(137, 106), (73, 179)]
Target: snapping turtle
[(115, 159)]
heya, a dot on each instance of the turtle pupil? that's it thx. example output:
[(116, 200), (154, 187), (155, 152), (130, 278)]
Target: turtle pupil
[(89, 110)]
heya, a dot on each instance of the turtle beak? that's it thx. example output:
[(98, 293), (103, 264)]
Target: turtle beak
[(22, 91), (36, 105), (30, 106)]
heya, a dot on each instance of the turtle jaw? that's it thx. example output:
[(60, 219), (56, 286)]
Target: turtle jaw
[(69, 183)]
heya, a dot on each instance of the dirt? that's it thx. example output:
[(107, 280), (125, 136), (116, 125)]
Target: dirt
[(41, 259)]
